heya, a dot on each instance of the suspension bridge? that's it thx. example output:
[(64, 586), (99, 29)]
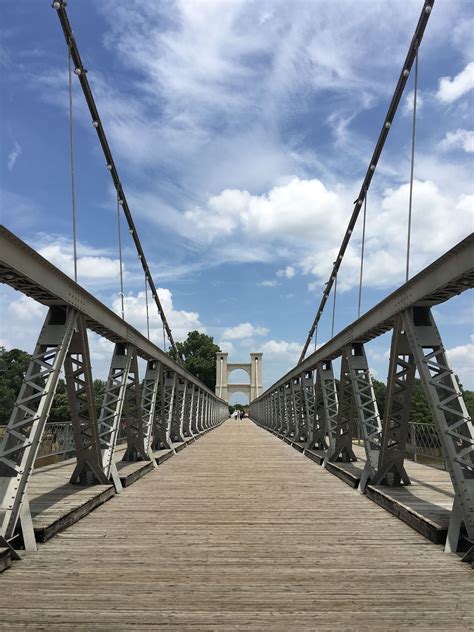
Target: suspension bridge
[(167, 513)]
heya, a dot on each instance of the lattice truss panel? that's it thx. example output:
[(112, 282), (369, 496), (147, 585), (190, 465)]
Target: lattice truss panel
[(398, 398), (195, 409), (341, 447), (25, 428), (299, 432), (167, 405), (289, 429), (454, 426), (366, 407), (328, 400), (177, 420), (112, 406), (136, 434), (150, 388), (188, 410), (80, 389)]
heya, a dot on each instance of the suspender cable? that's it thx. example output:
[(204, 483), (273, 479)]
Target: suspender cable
[(81, 72), (412, 167), (362, 256), (147, 312), (120, 259), (71, 148), (334, 307), (164, 338), (410, 58), (316, 338)]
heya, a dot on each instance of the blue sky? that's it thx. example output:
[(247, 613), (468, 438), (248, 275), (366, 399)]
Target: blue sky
[(241, 132)]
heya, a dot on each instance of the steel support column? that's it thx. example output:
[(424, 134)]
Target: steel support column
[(24, 431), (454, 426), (136, 428), (342, 447), (398, 398), (150, 390), (112, 408), (80, 390)]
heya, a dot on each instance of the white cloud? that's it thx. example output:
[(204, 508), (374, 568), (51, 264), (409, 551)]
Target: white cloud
[(270, 283), (461, 362), (13, 156), (408, 103), (180, 321), (226, 346), (288, 272), (450, 90), (242, 331), (461, 138), (282, 350)]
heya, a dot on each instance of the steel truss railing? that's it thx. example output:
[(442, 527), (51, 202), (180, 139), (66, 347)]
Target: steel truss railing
[(306, 406), (170, 404)]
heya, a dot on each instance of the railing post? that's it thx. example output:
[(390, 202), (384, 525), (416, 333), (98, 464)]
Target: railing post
[(453, 424), (25, 428), (80, 390), (398, 398)]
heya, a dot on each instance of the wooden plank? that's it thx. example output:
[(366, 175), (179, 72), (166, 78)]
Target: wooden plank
[(131, 471), (238, 533)]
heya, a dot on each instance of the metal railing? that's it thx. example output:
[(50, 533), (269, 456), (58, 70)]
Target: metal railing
[(423, 444), (57, 442)]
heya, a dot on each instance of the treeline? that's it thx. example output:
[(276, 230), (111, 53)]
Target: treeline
[(13, 365)]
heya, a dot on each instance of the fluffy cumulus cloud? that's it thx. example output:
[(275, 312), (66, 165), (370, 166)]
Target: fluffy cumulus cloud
[(450, 90), (180, 321), (243, 331), (460, 139), (93, 264)]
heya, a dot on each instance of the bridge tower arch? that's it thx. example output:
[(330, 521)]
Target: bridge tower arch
[(253, 369)]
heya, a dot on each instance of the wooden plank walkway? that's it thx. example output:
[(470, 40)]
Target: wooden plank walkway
[(240, 532)]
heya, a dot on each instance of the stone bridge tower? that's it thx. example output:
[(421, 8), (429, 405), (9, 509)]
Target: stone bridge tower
[(253, 369)]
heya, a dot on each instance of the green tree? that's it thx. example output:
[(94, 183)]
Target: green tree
[(199, 356), (60, 412), (13, 365)]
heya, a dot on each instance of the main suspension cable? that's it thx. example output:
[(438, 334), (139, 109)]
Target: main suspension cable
[(71, 149), (362, 256), (147, 312), (122, 299), (334, 307), (412, 167), (81, 72), (410, 58)]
